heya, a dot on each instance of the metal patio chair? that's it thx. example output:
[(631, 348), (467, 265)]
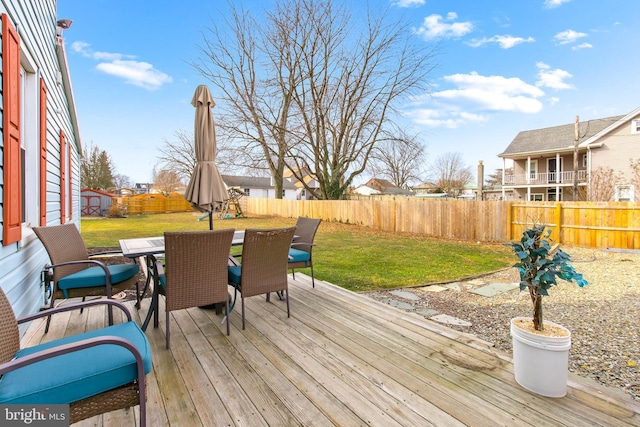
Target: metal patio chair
[(73, 274), (94, 372), (195, 270), (301, 252), (264, 264)]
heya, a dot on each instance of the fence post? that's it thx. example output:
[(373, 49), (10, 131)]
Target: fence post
[(557, 221), (509, 220)]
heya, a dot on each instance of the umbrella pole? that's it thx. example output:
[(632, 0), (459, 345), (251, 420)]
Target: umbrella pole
[(210, 220)]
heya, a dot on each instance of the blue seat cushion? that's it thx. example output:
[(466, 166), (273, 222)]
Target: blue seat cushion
[(296, 255), (94, 276), (234, 274), (77, 375)]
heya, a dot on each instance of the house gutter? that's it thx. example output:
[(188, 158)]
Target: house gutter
[(68, 91)]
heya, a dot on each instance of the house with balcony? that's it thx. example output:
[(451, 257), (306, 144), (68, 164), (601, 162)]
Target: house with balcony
[(545, 166)]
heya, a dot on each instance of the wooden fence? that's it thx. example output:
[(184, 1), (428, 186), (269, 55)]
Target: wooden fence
[(152, 203), (586, 224)]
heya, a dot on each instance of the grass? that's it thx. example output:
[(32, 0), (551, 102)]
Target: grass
[(350, 256)]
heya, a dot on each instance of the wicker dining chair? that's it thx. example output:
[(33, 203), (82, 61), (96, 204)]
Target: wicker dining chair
[(301, 252), (94, 372), (72, 271), (195, 270), (264, 264)]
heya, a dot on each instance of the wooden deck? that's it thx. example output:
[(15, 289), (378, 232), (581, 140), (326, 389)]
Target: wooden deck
[(341, 359)]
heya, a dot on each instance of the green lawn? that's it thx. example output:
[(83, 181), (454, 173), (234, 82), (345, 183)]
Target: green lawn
[(351, 256)]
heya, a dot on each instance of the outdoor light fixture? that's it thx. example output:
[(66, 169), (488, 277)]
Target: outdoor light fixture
[(62, 24)]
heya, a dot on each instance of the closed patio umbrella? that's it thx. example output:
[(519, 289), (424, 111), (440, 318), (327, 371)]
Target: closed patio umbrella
[(206, 189)]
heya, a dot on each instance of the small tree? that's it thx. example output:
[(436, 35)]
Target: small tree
[(602, 186), (451, 174), (166, 181), (540, 265), (96, 168)]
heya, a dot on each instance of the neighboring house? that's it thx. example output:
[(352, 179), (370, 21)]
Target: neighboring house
[(40, 144), (302, 193), (259, 187), (94, 202), (543, 159), (381, 187), (426, 188)]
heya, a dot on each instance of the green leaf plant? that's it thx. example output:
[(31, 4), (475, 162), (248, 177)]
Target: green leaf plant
[(540, 265)]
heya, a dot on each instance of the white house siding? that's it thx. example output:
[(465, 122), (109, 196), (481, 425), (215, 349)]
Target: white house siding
[(21, 262)]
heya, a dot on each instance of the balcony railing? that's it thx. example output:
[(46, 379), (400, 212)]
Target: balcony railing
[(545, 178)]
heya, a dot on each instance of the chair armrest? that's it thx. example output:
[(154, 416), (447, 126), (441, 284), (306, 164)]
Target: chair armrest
[(76, 306), (302, 244), (73, 347), (159, 268), (107, 253)]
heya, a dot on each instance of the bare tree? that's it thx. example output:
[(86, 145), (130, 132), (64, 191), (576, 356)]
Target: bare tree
[(121, 181), (245, 61), (495, 178), (399, 159), (635, 177), (166, 181), (602, 184), (178, 155), (310, 88), (451, 174)]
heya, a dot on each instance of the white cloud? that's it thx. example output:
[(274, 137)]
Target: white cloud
[(434, 26), (582, 46), (568, 36), (409, 3), (505, 42), (124, 66), (554, 3), (554, 100), (136, 73), (444, 119), (473, 98), (553, 79)]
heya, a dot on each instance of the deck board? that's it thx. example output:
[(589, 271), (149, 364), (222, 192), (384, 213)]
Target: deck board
[(341, 359)]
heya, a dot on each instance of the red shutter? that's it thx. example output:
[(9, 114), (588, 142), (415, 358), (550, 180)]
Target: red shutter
[(43, 154), (12, 203), (70, 181), (63, 178)]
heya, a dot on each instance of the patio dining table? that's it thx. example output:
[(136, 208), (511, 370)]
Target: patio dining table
[(150, 248)]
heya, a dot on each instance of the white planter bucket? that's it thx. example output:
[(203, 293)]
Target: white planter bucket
[(541, 363)]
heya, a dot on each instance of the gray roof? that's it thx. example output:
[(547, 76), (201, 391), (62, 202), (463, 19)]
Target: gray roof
[(555, 138), (254, 182)]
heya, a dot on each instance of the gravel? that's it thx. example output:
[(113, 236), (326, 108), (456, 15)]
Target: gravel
[(603, 317)]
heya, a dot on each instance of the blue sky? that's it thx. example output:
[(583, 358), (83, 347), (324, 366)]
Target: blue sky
[(503, 66)]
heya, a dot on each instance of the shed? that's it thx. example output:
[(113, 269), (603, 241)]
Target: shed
[(94, 202)]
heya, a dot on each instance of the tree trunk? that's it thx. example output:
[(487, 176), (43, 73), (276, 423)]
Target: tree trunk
[(537, 313)]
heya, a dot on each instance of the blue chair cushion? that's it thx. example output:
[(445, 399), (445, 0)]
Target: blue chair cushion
[(94, 276), (296, 255), (163, 281), (77, 375), (234, 274)]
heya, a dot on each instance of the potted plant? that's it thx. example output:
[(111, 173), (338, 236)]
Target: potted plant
[(541, 348)]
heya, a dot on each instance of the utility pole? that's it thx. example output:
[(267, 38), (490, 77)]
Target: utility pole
[(575, 161)]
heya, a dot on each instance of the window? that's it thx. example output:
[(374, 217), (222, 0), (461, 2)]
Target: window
[(284, 193), (246, 192), (536, 197), (584, 161), (552, 196), (624, 193), (24, 123), (533, 170), (635, 126)]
